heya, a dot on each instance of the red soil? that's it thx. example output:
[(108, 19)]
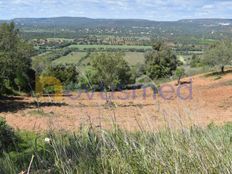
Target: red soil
[(211, 102)]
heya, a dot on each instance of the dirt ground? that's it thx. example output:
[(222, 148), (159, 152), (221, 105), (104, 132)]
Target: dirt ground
[(211, 101)]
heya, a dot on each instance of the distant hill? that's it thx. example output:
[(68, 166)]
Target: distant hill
[(79, 26), (2, 21), (81, 22), (209, 22), (89, 22)]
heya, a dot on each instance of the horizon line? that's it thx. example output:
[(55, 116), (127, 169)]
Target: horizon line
[(53, 17)]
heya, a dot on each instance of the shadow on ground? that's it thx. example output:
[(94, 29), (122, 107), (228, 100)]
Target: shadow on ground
[(218, 73), (14, 104)]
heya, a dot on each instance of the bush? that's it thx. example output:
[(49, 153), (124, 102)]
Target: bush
[(67, 74), (180, 72), (219, 55), (195, 61), (137, 71), (8, 139), (88, 79), (160, 62)]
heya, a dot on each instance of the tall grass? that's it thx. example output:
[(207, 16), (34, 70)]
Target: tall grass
[(193, 150)]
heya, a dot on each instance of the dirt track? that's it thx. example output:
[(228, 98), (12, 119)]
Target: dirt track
[(211, 102)]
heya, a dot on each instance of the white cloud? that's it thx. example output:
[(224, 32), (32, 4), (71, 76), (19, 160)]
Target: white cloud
[(149, 9), (208, 6)]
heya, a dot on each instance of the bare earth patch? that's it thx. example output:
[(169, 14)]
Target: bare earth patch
[(211, 102)]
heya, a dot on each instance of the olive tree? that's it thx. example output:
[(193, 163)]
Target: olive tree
[(219, 55), (160, 62), (110, 70)]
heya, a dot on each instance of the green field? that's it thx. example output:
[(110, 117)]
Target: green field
[(43, 55), (72, 58), (207, 41), (134, 58), (196, 52), (81, 47), (60, 39)]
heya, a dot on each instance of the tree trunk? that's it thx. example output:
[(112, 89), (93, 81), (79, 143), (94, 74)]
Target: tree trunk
[(179, 82), (222, 69)]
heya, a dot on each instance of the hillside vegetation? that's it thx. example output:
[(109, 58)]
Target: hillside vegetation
[(190, 151)]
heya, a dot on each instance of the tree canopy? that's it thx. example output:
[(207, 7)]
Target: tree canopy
[(66, 74), (109, 69), (15, 59), (160, 62), (219, 54)]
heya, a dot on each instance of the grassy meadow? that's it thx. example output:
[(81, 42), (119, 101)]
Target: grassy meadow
[(134, 58), (82, 59), (192, 150), (72, 58)]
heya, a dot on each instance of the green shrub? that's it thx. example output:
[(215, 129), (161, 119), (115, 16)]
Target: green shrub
[(108, 70), (8, 139), (219, 55), (196, 61), (180, 72), (66, 74), (88, 79), (160, 62), (137, 71)]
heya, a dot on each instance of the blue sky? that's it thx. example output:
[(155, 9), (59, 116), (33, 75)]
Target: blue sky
[(164, 10)]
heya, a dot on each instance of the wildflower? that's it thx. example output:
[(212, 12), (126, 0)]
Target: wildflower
[(47, 140)]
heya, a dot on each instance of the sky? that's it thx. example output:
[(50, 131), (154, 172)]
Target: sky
[(160, 10)]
